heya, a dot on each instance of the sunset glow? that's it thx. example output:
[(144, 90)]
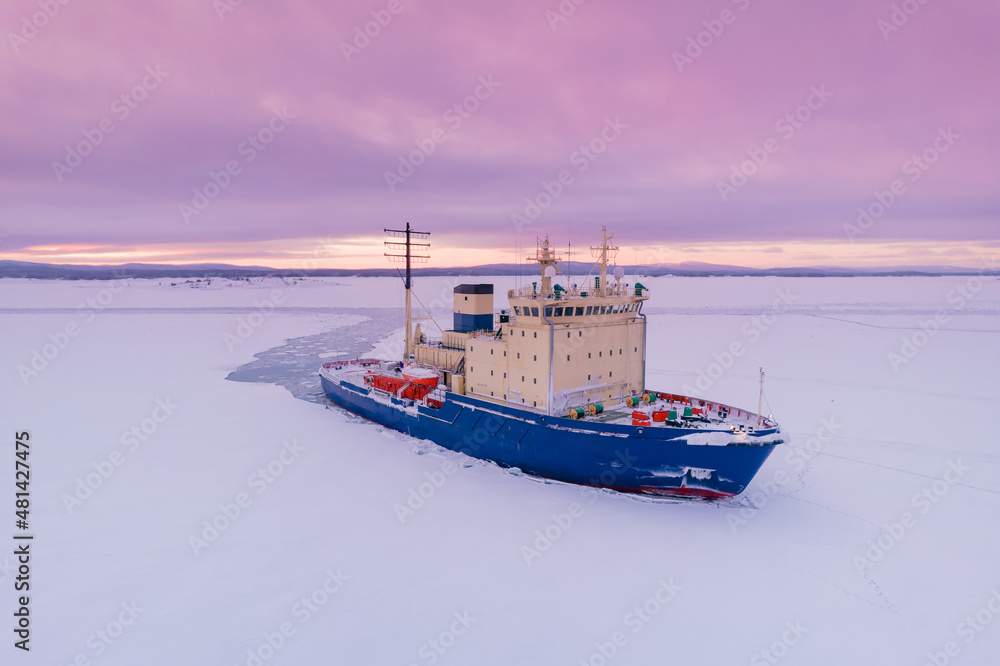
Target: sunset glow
[(756, 134)]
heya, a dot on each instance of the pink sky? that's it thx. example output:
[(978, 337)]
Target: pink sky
[(605, 76)]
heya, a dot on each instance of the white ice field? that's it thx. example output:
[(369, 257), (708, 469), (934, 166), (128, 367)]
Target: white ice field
[(183, 518)]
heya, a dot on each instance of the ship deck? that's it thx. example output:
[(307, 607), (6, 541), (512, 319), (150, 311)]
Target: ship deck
[(654, 409)]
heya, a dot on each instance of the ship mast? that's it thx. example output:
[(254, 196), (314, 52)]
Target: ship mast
[(602, 254), (408, 258), (546, 256)]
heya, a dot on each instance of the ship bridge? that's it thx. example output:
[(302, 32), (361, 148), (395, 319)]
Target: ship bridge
[(555, 348)]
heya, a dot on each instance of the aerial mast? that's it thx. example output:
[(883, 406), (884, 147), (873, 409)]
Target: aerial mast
[(408, 257), (602, 254), (760, 397)]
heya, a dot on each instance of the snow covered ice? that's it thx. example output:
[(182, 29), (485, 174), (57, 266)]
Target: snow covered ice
[(181, 517)]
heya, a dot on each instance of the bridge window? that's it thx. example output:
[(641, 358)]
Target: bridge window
[(589, 308), (534, 312), (559, 312), (579, 312)]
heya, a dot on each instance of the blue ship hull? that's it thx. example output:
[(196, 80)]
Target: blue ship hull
[(650, 460)]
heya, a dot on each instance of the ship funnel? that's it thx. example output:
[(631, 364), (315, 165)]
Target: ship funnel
[(473, 308)]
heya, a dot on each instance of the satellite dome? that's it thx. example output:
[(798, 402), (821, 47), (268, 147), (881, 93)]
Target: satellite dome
[(619, 272), (550, 271)]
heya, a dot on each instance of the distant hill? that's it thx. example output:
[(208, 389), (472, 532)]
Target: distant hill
[(24, 269)]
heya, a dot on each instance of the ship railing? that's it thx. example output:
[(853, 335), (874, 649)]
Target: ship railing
[(577, 292), (437, 394), (581, 397), (438, 343)]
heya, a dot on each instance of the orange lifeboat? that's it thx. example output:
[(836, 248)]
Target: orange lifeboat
[(422, 376)]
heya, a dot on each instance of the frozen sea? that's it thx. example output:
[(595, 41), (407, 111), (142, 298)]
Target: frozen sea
[(195, 500)]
